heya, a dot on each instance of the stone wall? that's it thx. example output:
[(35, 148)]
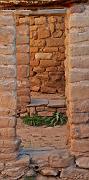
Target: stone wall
[(73, 163), (77, 87), (47, 54)]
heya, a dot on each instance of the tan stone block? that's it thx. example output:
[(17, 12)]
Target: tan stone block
[(79, 20), (79, 106), (49, 172), (24, 48), (8, 85), (7, 132), (79, 50), (8, 71), (8, 100), (51, 69), (61, 159), (79, 62), (46, 63), (22, 39), (81, 75), (33, 28), (43, 32), (80, 145), (57, 34), (22, 29), (7, 50), (83, 162), (74, 173), (6, 122), (52, 27), (22, 162), (45, 113), (79, 131), (77, 118), (79, 90), (34, 63), (8, 156), (32, 20), (48, 89), (7, 35), (37, 43), (7, 59), (23, 71), (43, 56), (54, 42), (40, 20), (33, 49), (23, 58), (38, 69), (4, 19), (24, 20), (50, 49)]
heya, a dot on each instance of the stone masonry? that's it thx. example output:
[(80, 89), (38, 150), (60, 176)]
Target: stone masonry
[(69, 164), (47, 54)]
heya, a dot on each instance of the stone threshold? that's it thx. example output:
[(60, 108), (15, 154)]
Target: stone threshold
[(35, 102)]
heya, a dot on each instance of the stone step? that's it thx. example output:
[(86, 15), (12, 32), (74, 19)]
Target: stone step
[(44, 157), (59, 103)]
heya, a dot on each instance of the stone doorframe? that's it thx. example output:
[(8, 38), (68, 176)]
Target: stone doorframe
[(77, 82)]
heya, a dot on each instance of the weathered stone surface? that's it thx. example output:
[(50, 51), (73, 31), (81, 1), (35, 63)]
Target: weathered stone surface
[(83, 162), (80, 145), (49, 172), (43, 56), (79, 131), (75, 173), (60, 159)]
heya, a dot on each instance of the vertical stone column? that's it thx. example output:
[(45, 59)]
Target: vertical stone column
[(23, 62), (77, 81), (8, 98)]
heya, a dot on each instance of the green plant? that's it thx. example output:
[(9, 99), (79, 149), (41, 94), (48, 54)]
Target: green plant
[(55, 119)]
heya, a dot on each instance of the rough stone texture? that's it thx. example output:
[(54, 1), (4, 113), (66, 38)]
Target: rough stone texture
[(23, 60), (77, 82), (38, 137), (47, 54)]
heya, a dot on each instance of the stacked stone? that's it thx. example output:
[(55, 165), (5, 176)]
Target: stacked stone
[(77, 75), (47, 54), (8, 97), (23, 64)]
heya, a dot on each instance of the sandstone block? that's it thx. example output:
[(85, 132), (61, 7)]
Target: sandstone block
[(79, 106), (49, 172), (74, 173), (79, 131), (81, 145), (7, 50), (24, 48), (77, 118), (23, 71), (83, 162), (61, 159), (79, 20), (7, 35), (43, 56), (22, 29), (23, 59), (22, 39), (8, 101), (79, 90), (4, 19), (81, 75), (54, 42), (7, 59), (8, 85), (40, 20), (43, 32), (8, 71)]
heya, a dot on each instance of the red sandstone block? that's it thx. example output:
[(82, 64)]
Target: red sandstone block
[(23, 71), (23, 59)]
